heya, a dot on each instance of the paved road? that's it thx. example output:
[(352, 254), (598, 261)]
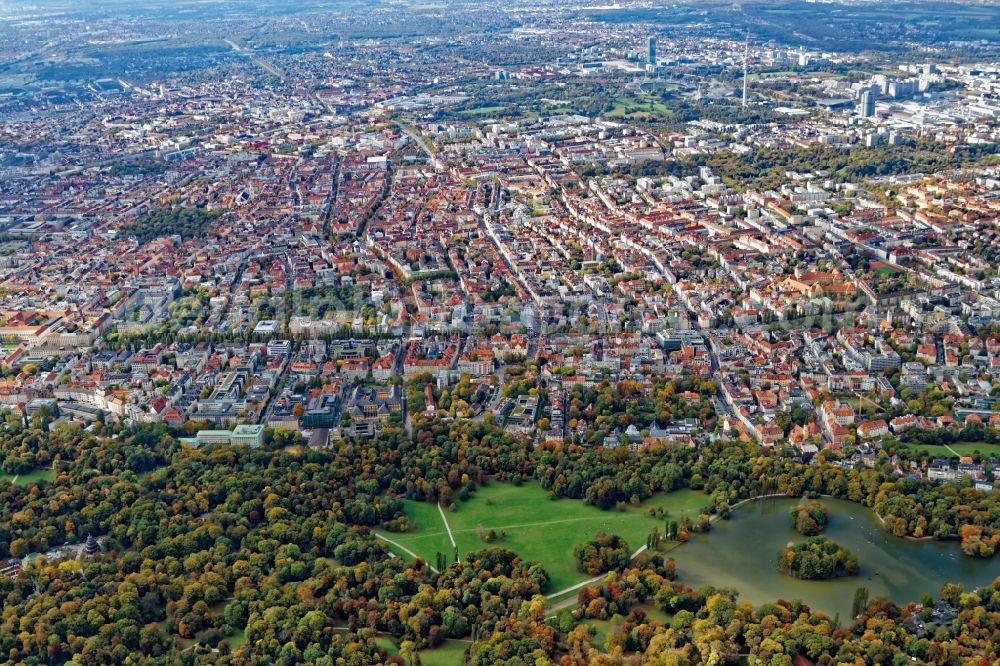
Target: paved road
[(565, 603), (265, 414), (451, 537), (419, 140)]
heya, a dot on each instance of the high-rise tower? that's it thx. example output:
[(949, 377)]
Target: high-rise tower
[(746, 55), (866, 105)]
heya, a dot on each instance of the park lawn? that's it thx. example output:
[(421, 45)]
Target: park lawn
[(676, 503), (428, 537), (449, 653), (387, 644), (538, 528), (602, 628), (770, 75), (654, 613), (25, 480), (968, 448), (629, 106), (963, 449), (931, 449), (482, 110), (236, 638)]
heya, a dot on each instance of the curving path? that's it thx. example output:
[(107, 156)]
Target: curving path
[(404, 549), (577, 586), (572, 588)]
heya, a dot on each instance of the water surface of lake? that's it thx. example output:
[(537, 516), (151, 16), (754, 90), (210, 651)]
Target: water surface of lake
[(740, 553)]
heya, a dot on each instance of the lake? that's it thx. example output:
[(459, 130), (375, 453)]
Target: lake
[(740, 553)]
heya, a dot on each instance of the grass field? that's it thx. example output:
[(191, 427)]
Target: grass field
[(962, 448), (601, 628), (654, 613), (429, 538), (237, 638), (449, 653), (635, 107), (884, 271), (537, 528), (25, 480), (756, 76), (483, 111), (387, 644)]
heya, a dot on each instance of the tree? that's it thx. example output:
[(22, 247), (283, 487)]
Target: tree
[(810, 518), (605, 552), (817, 558), (860, 602), (18, 548)]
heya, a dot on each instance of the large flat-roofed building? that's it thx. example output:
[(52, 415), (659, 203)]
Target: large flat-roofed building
[(242, 435), (77, 410), (247, 434), (267, 327), (213, 437)]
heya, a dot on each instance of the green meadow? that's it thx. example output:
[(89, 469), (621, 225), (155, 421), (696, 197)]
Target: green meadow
[(536, 527)]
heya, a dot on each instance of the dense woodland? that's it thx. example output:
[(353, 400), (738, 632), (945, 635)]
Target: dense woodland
[(199, 544)]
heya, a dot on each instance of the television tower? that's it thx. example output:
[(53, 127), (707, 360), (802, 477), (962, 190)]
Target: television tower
[(746, 55)]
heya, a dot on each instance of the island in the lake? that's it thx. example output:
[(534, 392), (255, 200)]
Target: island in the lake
[(809, 518), (817, 558)]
